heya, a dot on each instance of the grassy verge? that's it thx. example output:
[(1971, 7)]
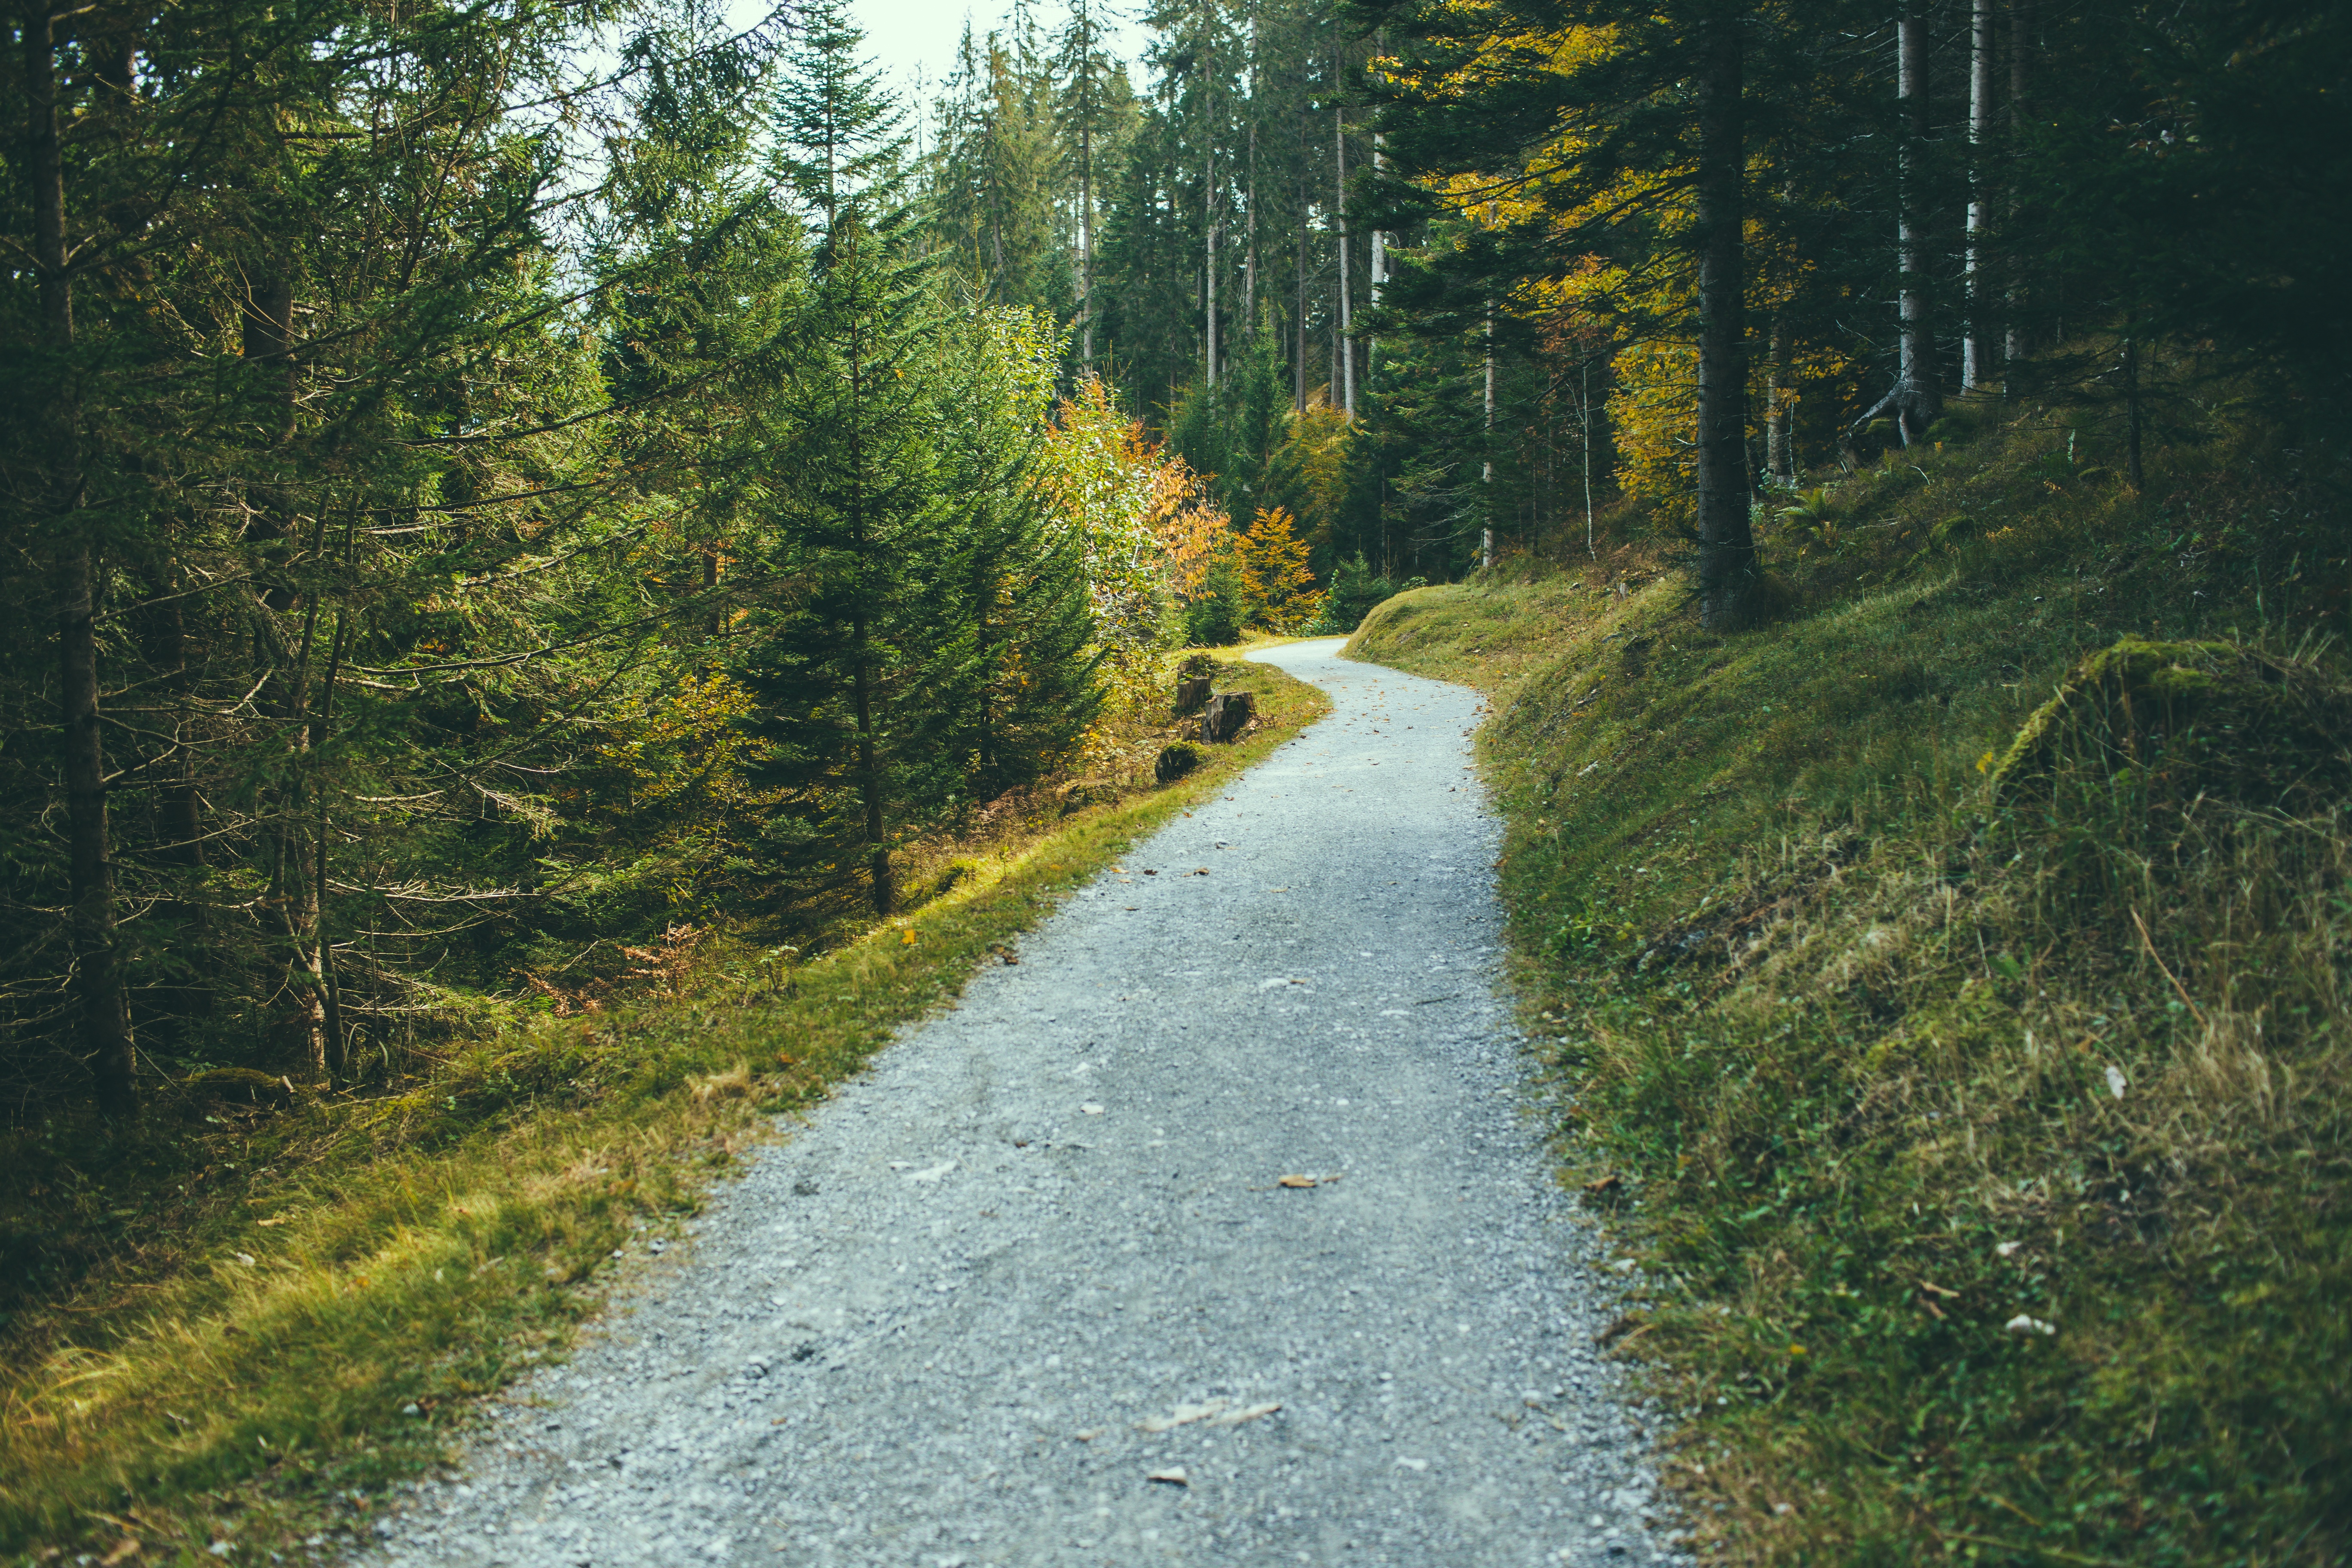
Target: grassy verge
[(1951, 1007), (298, 1304)]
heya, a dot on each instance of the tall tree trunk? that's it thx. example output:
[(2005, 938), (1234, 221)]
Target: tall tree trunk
[(1087, 206), (1343, 344), (179, 817), (869, 773), (1779, 415), (1920, 371), (869, 770), (1212, 216), (1379, 269), (1976, 352), (1584, 428), (1726, 544), (1918, 396), (1249, 232), (1209, 304), (1486, 468), (2020, 56), (2132, 412), (1298, 334), (102, 1018)]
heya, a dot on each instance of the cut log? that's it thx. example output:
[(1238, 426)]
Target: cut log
[(1191, 695)]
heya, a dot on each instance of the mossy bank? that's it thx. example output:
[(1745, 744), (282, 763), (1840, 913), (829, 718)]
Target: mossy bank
[(1943, 988)]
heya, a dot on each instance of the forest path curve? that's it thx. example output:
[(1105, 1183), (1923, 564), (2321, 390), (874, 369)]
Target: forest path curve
[(1041, 1252)]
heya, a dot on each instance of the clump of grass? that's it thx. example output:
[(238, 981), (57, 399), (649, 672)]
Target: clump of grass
[(1962, 957), (312, 1292)]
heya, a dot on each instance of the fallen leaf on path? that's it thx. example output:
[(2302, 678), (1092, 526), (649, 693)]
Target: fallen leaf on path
[(1295, 1181), (1198, 871), (1183, 1416), (1149, 872), (1089, 1436), (1412, 1464), (1091, 1109), (1249, 1412), (1173, 1475)]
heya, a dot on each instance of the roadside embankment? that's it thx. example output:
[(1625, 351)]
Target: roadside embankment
[(1948, 993)]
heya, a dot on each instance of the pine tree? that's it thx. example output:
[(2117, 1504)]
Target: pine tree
[(839, 129)]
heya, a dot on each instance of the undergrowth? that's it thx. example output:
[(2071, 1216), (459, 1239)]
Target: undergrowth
[(1947, 986), (240, 1319)]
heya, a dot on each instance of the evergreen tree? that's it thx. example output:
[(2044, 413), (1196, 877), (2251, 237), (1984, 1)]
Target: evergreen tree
[(839, 129)]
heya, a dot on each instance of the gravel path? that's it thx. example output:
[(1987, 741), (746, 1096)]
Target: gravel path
[(1044, 1251)]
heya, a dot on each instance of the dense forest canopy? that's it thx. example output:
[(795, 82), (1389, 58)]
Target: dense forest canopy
[(486, 481)]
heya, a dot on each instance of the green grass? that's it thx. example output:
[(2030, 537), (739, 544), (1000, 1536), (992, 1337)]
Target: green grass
[(237, 1311), (1843, 1015)]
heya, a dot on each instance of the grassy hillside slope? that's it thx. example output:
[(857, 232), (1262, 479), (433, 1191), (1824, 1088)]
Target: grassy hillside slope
[(223, 1332), (1951, 1003)]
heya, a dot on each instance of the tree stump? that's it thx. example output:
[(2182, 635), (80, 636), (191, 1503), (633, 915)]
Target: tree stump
[(1227, 714), (1191, 695)]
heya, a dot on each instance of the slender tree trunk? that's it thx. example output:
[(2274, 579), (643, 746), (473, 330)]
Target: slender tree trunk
[(1975, 353), (2131, 411), (1380, 269), (332, 1059), (1344, 346), (869, 770), (1727, 549), (1087, 239), (1584, 427), (2021, 53), (179, 822), (1779, 418), (870, 776), (1298, 337), (1919, 373), (1209, 303), (1918, 396), (1249, 239), (1486, 468), (102, 1015)]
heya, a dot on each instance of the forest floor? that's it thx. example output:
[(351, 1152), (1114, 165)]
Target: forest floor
[(1980, 1108), (230, 1329), (1212, 1231)]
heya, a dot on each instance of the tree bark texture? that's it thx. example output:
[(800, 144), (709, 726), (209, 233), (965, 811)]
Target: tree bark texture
[(2021, 57), (1486, 469), (1976, 351), (1916, 397), (1919, 385), (102, 1016), (1727, 577), (1343, 342), (1781, 411)]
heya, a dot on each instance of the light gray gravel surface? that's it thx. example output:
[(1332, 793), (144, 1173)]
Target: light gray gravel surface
[(1039, 1254)]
